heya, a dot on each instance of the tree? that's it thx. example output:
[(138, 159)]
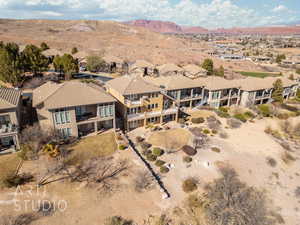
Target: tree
[(208, 64), (74, 51), (69, 65), (44, 46), (11, 66), (95, 63), (34, 60), (279, 58), (277, 91)]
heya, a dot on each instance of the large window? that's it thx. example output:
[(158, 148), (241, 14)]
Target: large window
[(106, 110), (215, 95), (65, 132), (61, 116), (4, 120)]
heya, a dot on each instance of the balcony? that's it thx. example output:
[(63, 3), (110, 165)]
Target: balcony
[(8, 128), (134, 103), (85, 116)]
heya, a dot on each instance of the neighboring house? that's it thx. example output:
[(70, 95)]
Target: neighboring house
[(10, 105), (259, 91), (184, 91), (232, 57), (193, 71), (169, 69), (141, 103), (221, 92), (74, 108), (142, 67), (115, 64)]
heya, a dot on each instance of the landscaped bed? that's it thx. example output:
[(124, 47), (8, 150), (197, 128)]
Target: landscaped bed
[(91, 147), (171, 139), (9, 164)]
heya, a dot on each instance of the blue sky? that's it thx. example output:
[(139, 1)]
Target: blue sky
[(206, 13)]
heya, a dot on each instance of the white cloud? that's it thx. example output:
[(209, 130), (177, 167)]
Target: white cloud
[(216, 13), (280, 8), (51, 13)]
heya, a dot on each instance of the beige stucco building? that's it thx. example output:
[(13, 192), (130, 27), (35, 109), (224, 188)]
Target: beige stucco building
[(74, 108), (10, 105)]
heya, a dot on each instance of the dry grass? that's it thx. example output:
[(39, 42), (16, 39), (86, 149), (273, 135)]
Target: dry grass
[(8, 166), (92, 147), (201, 113), (171, 139), (287, 158)]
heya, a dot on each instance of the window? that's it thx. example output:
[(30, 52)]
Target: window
[(4, 119), (106, 110), (62, 116), (215, 95), (65, 132)]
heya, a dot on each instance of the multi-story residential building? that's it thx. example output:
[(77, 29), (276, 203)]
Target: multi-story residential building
[(74, 108), (141, 103), (257, 91), (182, 90), (10, 104)]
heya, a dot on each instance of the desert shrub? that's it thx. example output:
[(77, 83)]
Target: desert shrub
[(264, 110), (233, 123), (190, 151), (223, 114), (286, 126), (215, 149), (224, 109), (146, 152), (122, 147), (151, 157), (287, 158), (214, 131), (249, 114), (118, 220), (164, 169), (297, 129), (139, 139), (206, 131), (231, 201), (160, 163), (268, 130), (46, 208), (197, 120), (189, 185), (289, 108), (297, 192), (163, 220), (17, 180), (223, 135), (22, 219), (271, 162), (157, 151), (143, 181), (145, 145), (283, 116), (187, 159), (194, 201), (240, 117)]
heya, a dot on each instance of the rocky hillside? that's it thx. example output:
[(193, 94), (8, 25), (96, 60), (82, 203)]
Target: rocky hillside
[(165, 27), (112, 39)]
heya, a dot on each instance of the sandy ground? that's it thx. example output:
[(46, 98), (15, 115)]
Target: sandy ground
[(245, 149)]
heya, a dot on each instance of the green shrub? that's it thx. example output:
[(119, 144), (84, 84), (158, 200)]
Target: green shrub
[(197, 120), (122, 147), (189, 185), (264, 110), (224, 109), (215, 149), (206, 131), (164, 169), (160, 163), (157, 151), (187, 159), (151, 157), (249, 114), (223, 114), (240, 117)]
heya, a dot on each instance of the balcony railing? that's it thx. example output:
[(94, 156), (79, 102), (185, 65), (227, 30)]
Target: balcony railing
[(133, 103), (8, 128), (85, 116)]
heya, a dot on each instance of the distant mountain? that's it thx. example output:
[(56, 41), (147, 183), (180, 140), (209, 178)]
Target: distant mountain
[(171, 27), (165, 26)]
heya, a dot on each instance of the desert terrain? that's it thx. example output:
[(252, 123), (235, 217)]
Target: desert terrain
[(113, 39)]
